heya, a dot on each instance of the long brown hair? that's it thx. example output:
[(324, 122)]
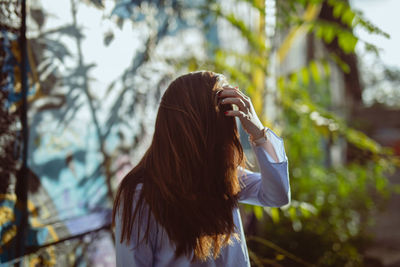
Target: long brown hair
[(189, 173)]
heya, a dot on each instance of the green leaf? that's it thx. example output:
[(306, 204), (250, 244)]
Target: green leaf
[(294, 78), (281, 83), (348, 17), (305, 76), (314, 71), (338, 8), (274, 213), (347, 41), (328, 33), (258, 212), (344, 189), (318, 30), (292, 213), (381, 184), (362, 141)]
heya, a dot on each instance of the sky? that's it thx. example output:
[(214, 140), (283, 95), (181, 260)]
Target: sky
[(385, 15)]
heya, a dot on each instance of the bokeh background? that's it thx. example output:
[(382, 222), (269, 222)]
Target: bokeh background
[(324, 74)]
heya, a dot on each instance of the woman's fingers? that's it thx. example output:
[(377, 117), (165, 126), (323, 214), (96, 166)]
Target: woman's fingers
[(236, 113), (230, 92), (246, 113), (235, 100)]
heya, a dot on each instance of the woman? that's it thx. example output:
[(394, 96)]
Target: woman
[(179, 205)]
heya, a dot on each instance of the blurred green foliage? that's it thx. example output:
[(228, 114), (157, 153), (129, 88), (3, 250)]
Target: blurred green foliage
[(332, 206)]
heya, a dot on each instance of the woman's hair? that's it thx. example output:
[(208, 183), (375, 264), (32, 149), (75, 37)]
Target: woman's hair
[(189, 173)]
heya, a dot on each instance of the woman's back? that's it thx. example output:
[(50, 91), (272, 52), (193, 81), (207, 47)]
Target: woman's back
[(256, 190), (160, 251)]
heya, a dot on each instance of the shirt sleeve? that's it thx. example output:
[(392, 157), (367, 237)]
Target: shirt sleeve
[(271, 186)]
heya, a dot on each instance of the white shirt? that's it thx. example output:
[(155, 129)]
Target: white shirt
[(269, 188)]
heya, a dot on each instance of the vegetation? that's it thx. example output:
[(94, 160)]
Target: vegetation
[(332, 202)]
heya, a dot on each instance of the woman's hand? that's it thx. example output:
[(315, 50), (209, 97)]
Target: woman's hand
[(246, 113)]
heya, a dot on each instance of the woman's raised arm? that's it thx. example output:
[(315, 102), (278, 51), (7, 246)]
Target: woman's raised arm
[(270, 187)]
